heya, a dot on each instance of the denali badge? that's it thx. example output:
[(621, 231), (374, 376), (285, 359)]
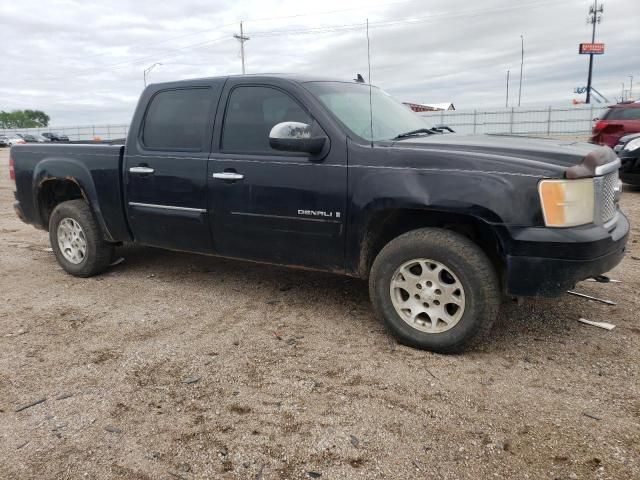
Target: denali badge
[(319, 213)]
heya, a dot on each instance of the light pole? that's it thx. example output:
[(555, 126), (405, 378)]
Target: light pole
[(521, 65), (506, 103), (147, 70), (595, 16), (631, 87)]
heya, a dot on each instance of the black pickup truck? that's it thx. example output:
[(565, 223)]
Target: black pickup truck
[(335, 176)]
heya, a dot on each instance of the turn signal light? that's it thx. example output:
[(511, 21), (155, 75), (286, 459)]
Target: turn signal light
[(567, 203)]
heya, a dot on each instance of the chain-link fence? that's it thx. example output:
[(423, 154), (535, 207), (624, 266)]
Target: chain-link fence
[(546, 121), (84, 132)]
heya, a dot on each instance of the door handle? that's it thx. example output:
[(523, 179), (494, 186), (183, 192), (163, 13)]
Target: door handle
[(228, 176), (142, 170)]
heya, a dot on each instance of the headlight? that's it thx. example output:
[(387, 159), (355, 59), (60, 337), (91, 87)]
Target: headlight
[(567, 203), (632, 145)]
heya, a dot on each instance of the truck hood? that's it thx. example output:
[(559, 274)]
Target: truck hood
[(509, 154)]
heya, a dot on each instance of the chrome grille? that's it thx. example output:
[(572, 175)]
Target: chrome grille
[(606, 196)]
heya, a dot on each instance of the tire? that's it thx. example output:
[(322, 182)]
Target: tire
[(65, 219), (469, 299)]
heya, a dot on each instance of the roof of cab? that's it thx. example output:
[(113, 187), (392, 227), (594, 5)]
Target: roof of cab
[(258, 76)]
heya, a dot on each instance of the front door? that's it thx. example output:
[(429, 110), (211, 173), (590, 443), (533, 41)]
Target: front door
[(166, 170), (274, 206)]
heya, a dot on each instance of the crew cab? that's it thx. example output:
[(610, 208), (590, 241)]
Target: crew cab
[(335, 176)]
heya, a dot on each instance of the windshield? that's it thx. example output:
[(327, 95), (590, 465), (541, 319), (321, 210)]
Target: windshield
[(349, 102)]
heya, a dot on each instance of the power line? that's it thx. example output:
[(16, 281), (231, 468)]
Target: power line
[(316, 30), (166, 54), (330, 28), (386, 23), (255, 20)]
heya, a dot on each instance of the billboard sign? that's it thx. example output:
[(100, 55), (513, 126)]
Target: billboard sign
[(591, 48)]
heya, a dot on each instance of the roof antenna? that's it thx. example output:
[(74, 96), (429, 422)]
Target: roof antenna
[(370, 100), (359, 79)]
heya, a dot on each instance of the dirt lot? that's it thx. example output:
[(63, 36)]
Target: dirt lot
[(177, 366)]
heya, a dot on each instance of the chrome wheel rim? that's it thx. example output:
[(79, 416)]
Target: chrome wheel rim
[(72, 241), (427, 295)]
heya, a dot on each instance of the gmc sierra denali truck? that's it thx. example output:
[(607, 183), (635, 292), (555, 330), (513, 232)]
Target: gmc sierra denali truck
[(335, 176)]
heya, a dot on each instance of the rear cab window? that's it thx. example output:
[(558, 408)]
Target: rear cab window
[(177, 120)]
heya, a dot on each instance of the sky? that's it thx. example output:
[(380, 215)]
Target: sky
[(82, 62)]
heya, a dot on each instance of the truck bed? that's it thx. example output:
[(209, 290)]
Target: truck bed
[(96, 170)]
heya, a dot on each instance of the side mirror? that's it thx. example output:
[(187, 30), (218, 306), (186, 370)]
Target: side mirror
[(596, 119), (295, 137)]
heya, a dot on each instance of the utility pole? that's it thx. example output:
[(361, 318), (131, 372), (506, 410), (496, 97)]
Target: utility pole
[(521, 65), (595, 16), (241, 38), (631, 87), (506, 103)]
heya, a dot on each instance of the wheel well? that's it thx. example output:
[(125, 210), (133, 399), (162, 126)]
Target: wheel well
[(386, 225), (54, 192)]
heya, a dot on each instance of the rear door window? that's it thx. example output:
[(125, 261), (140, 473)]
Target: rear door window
[(177, 119), (623, 114)]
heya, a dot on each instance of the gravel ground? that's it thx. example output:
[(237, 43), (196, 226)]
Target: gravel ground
[(177, 366)]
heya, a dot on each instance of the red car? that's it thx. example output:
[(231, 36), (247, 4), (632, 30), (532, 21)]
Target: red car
[(618, 120)]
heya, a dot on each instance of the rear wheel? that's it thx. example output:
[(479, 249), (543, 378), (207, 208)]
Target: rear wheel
[(77, 241), (435, 289)]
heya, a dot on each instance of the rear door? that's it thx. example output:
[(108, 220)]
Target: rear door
[(620, 121), (267, 205), (166, 168)]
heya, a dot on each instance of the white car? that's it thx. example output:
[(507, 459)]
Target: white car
[(14, 139)]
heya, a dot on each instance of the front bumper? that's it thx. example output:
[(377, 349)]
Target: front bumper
[(632, 178), (630, 169), (547, 262)]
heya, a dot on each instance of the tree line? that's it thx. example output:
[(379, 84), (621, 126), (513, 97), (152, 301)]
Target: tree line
[(23, 119)]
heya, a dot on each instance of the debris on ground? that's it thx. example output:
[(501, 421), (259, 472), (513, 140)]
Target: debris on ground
[(602, 279), (117, 262), (31, 404), (605, 325), (592, 415), (590, 297), (191, 379), (19, 332), (112, 429)]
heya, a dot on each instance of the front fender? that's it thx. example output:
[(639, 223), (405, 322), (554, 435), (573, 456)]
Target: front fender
[(492, 198)]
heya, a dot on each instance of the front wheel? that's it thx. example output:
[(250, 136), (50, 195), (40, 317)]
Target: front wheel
[(77, 241), (435, 289)]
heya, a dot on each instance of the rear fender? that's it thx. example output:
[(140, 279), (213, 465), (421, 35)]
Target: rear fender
[(68, 170)]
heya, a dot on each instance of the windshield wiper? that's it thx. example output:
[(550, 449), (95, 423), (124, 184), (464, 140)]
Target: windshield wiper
[(413, 133)]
